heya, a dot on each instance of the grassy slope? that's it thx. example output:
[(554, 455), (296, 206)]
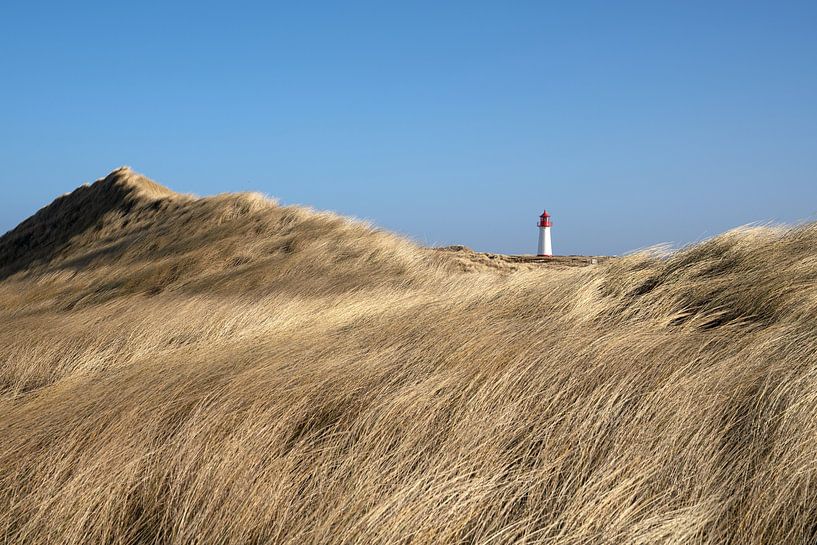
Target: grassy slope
[(225, 370)]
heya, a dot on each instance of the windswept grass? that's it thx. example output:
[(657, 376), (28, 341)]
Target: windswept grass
[(226, 370)]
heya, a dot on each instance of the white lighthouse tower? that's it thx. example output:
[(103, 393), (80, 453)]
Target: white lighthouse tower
[(545, 248)]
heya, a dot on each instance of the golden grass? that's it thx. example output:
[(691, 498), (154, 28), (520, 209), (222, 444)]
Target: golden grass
[(226, 370)]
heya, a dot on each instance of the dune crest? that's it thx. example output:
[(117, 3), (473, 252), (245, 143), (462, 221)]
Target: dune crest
[(132, 183), (46, 233)]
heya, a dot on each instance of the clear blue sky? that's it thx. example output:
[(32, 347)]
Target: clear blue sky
[(634, 123)]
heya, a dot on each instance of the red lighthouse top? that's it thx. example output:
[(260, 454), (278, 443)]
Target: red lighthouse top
[(544, 219)]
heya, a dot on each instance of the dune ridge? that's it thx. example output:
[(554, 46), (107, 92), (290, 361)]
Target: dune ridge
[(44, 235)]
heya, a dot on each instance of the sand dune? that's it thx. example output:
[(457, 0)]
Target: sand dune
[(224, 369)]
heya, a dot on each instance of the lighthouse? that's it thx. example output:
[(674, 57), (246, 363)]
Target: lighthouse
[(545, 248)]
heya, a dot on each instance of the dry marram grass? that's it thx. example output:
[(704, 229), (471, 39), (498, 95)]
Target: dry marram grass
[(226, 370)]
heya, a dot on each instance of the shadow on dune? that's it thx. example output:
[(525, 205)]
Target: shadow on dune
[(44, 236)]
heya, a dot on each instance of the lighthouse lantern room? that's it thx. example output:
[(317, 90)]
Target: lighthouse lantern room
[(545, 247)]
